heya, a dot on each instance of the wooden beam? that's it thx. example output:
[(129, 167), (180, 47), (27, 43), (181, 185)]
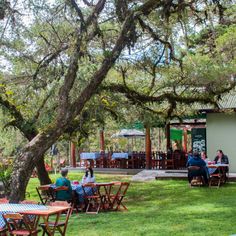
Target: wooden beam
[(102, 142), (185, 144), (148, 149), (168, 144), (72, 154)]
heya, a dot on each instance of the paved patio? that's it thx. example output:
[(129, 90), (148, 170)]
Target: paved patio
[(145, 175)]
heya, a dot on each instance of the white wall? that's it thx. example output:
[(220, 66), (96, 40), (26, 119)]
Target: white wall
[(221, 134)]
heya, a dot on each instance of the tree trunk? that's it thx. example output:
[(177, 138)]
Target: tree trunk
[(25, 161), (42, 172), (43, 175)]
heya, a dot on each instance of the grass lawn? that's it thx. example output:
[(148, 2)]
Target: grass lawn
[(166, 207)]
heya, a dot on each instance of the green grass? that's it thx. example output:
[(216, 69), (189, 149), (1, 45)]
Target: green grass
[(160, 208)]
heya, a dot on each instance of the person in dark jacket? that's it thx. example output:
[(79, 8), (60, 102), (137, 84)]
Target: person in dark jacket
[(197, 167), (221, 158)]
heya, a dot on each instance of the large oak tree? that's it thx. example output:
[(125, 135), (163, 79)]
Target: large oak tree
[(57, 59)]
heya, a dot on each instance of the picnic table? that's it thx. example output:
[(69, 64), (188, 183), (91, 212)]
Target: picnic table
[(32, 210), (89, 156), (121, 158)]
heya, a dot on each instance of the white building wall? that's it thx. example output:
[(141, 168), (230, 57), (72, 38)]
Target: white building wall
[(221, 134)]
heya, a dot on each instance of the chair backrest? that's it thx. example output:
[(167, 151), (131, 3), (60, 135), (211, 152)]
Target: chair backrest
[(16, 221), (61, 188), (123, 187), (68, 213), (4, 200), (90, 186), (193, 168), (28, 202), (46, 193)]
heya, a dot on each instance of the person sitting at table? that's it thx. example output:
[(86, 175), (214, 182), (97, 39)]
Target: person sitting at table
[(221, 158), (89, 176), (204, 157), (64, 195), (197, 167)]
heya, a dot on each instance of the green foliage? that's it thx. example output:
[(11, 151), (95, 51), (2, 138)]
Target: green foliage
[(5, 177)]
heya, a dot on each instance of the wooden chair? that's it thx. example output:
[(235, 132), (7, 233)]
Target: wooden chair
[(197, 180), (93, 202), (60, 226), (169, 161), (4, 200), (3, 231), (118, 196), (28, 202), (72, 201), (215, 180), (18, 224), (46, 194)]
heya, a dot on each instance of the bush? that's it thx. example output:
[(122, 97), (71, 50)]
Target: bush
[(5, 177)]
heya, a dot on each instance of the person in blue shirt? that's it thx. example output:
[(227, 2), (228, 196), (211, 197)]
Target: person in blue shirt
[(64, 195), (199, 168)]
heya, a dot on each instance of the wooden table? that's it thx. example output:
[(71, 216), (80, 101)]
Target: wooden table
[(104, 192), (44, 214)]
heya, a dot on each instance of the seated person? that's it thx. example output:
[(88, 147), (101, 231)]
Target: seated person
[(88, 177), (221, 158), (196, 161), (204, 157), (64, 195)]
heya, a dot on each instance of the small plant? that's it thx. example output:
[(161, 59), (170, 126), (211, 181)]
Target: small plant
[(5, 177)]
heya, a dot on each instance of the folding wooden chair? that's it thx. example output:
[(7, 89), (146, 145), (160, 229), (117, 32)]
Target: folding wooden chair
[(215, 180), (3, 231), (18, 224), (3, 200), (197, 179), (60, 226), (72, 201), (93, 200), (46, 194), (118, 197), (28, 202)]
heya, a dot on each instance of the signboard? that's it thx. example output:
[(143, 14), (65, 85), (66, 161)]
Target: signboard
[(198, 139)]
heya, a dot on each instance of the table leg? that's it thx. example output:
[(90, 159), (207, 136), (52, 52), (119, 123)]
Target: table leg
[(51, 230)]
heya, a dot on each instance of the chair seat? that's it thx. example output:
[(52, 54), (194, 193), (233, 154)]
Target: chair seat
[(3, 230), (92, 197), (24, 232), (51, 224)]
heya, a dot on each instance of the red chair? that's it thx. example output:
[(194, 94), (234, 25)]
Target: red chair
[(60, 226), (18, 224), (46, 194), (3, 231), (4, 200), (93, 202), (117, 198)]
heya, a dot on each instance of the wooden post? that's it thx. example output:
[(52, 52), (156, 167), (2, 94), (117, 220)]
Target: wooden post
[(102, 143), (185, 147), (148, 149), (72, 154), (168, 136)]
